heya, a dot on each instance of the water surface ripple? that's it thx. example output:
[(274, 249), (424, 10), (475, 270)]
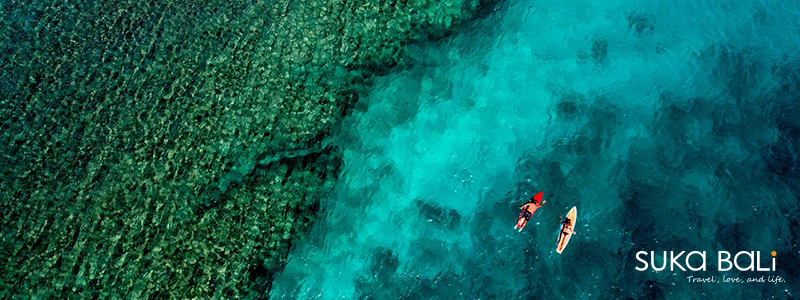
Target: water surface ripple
[(672, 125)]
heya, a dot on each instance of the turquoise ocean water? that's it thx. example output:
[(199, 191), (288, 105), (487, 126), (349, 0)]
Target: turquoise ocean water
[(671, 125)]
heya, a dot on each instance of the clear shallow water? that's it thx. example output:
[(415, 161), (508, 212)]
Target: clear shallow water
[(671, 126)]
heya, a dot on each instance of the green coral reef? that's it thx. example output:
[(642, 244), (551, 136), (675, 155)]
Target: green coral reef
[(175, 149)]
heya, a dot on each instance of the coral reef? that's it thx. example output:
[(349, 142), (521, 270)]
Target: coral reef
[(168, 149)]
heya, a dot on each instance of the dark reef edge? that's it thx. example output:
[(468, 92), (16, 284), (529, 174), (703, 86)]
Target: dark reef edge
[(176, 150)]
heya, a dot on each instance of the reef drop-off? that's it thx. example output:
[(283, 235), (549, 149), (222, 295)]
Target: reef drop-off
[(166, 149)]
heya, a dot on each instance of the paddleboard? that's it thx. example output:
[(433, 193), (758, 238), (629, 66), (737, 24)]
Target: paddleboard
[(563, 239)]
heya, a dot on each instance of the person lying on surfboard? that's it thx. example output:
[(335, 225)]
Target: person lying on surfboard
[(528, 210), (566, 227)]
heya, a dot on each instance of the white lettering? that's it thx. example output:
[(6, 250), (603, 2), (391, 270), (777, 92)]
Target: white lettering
[(773, 264), (702, 254), (641, 260), (727, 260), (758, 263), (674, 260), (752, 262), (653, 262)]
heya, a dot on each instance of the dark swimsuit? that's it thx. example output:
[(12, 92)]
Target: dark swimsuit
[(527, 215)]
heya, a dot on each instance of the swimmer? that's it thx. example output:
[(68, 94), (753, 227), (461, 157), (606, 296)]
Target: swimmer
[(528, 210)]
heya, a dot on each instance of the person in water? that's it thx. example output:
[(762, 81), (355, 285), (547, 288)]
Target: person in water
[(528, 209)]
